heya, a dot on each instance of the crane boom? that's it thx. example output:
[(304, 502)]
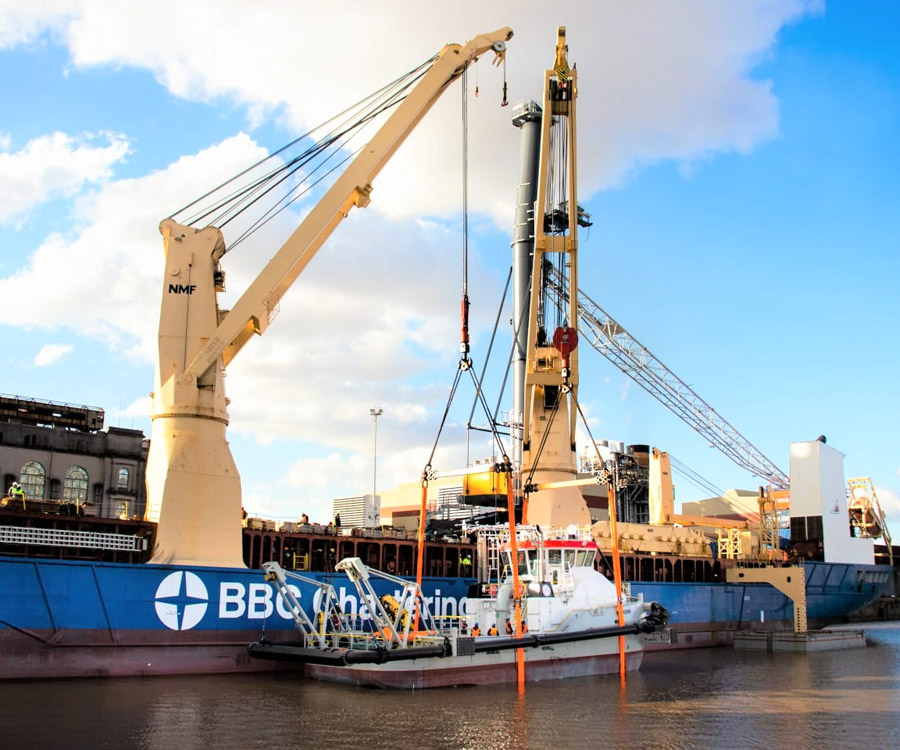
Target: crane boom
[(252, 312), (193, 485), (634, 359)]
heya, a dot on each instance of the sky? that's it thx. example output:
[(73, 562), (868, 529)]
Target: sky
[(738, 160)]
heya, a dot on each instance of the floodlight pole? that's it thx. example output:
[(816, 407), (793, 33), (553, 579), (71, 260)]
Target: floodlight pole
[(375, 414)]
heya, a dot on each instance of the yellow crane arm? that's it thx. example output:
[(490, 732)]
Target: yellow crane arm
[(253, 311)]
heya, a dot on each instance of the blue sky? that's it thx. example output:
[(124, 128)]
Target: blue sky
[(739, 161)]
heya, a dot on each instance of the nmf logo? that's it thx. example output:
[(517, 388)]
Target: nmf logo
[(182, 601)]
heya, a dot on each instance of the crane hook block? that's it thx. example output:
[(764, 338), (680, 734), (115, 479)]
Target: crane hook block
[(499, 49), (565, 340)]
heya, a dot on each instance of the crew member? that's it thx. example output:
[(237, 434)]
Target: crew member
[(509, 627), (492, 630), (304, 519), (476, 631), (465, 563), (17, 493)]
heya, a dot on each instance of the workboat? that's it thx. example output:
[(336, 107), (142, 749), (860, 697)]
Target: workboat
[(194, 605), (566, 622)]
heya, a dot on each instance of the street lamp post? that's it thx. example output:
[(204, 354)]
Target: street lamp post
[(375, 414)]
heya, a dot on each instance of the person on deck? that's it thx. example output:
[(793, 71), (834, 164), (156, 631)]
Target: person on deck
[(465, 564), (509, 627), (492, 630), (17, 493), (476, 631)]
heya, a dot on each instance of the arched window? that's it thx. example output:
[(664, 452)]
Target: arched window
[(33, 478), (122, 481), (75, 486)]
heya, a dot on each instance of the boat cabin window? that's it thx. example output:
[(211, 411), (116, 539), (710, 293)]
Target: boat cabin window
[(581, 558), (527, 562)]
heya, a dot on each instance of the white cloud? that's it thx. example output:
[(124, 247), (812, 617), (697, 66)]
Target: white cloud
[(51, 353), (318, 473), (54, 165), (106, 280), (141, 407), (659, 80), (23, 23)]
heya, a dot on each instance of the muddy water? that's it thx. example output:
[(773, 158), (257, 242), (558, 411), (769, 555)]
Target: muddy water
[(714, 698)]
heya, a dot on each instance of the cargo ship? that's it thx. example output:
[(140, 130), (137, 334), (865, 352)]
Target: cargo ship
[(91, 616), (174, 593)]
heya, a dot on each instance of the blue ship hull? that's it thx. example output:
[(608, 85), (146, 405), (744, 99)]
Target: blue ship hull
[(73, 619), (708, 614)]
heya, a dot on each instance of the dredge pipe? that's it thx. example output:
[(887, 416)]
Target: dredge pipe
[(298, 654), (655, 620), (546, 639), (340, 657), (382, 655)]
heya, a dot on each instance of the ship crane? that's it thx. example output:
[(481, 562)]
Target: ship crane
[(634, 359), (193, 486)]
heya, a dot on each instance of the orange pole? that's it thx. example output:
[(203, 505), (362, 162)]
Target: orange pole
[(524, 508), (517, 598), (617, 569), (420, 555)]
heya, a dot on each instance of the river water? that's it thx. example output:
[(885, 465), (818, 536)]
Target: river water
[(711, 698)]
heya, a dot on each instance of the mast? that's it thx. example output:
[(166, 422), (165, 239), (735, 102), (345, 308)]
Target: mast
[(551, 356), (526, 117)]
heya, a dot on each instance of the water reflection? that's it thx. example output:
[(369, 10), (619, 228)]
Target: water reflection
[(713, 698)]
